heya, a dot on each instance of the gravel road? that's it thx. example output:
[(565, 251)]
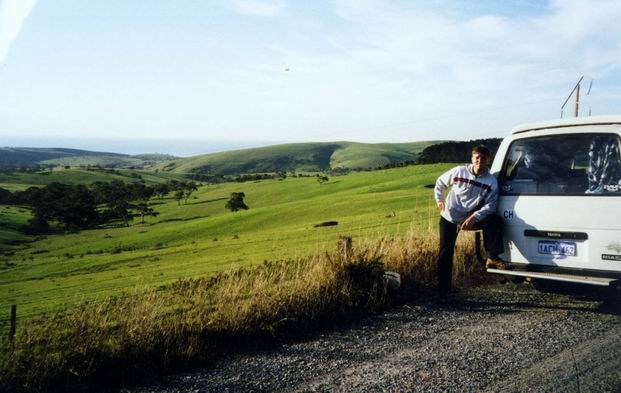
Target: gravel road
[(506, 338)]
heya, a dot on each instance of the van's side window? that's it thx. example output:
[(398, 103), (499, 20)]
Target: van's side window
[(575, 164)]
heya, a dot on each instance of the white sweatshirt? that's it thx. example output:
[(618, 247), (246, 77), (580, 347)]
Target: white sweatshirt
[(469, 194)]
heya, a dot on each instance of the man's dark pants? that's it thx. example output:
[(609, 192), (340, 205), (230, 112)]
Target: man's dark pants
[(492, 241)]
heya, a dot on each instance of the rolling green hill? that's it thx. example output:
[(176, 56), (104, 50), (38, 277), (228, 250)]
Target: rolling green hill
[(11, 157), (17, 180), (201, 237), (300, 157)]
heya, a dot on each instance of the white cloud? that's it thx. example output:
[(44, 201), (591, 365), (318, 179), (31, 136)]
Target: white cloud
[(13, 13), (403, 71), (472, 62), (259, 7), (370, 70)]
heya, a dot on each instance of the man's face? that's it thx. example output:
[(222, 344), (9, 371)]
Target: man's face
[(479, 162)]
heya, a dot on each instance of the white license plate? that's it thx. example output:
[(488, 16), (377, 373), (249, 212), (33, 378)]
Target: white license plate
[(557, 248)]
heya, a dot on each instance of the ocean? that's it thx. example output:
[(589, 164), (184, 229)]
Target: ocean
[(176, 147)]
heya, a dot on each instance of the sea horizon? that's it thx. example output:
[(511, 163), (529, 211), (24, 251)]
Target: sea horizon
[(132, 146)]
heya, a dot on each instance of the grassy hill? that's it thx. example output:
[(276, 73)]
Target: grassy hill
[(29, 155), (11, 157), (301, 157), (200, 238), (17, 180), (11, 217)]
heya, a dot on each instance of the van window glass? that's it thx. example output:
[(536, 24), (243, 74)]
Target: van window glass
[(575, 164)]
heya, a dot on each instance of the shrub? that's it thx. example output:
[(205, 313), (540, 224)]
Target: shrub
[(36, 226), (236, 202)]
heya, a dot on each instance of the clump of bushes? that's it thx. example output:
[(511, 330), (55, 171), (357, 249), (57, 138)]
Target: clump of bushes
[(35, 226), (236, 202)]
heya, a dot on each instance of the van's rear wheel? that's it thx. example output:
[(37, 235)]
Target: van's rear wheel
[(613, 299)]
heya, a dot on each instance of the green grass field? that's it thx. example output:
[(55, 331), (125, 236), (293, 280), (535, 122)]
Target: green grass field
[(103, 161), (11, 217), (17, 181), (201, 237), (11, 157), (301, 157)]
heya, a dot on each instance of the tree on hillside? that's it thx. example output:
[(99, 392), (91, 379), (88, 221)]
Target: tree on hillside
[(71, 205), (6, 197), (144, 210), (189, 188), (161, 190), (236, 202), (179, 196), (121, 199), (182, 190), (36, 226), (139, 191), (116, 197), (27, 197), (322, 178)]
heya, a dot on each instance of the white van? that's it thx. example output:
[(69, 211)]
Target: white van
[(560, 200)]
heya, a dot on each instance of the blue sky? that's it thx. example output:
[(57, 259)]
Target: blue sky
[(294, 71)]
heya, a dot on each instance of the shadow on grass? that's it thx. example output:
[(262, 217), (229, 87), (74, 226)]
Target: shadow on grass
[(208, 201), (179, 219)]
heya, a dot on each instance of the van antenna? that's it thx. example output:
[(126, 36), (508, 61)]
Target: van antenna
[(589, 93), (577, 90)]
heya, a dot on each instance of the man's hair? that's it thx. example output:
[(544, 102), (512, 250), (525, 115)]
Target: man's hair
[(482, 150)]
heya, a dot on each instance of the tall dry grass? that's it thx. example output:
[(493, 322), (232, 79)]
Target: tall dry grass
[(151, 330)]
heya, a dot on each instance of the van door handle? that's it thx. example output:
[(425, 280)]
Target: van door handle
[(556, 234)]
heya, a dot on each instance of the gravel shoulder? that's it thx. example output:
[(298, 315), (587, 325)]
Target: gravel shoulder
[(507, 338)]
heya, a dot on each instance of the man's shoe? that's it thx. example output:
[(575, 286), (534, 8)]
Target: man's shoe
[(495, 263)]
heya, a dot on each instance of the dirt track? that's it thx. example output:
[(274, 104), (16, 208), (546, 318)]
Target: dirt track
[(501, 338)]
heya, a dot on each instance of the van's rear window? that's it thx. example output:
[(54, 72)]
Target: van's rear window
[(574, 164)]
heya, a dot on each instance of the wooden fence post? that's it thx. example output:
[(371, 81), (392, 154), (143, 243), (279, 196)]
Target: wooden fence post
[(13, 323), (345, 247)]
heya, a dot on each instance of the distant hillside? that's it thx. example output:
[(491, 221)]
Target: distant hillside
[(299, 157), (12, 157), (20, 180)]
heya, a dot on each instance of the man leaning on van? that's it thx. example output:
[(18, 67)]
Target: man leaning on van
[(469, 205)]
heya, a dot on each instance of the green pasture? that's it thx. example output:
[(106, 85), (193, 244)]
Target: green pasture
[(17, 181), (11, 217), (201, 237), (301, 157), (372, 155), (103, 161)]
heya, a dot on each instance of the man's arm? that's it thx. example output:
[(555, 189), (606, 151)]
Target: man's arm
[(443, 182), (491, 201)]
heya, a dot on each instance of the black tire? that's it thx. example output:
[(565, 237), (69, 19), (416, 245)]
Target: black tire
[(612, 302)]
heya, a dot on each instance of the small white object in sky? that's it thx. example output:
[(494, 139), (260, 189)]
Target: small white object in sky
[(13, 13), (269, 8)]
